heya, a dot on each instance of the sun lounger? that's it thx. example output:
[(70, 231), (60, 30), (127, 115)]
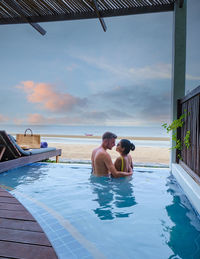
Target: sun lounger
[(12, 155)]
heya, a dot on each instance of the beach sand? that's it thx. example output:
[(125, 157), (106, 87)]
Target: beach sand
[(144, 155)]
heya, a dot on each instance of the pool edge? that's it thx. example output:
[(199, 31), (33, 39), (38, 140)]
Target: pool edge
[(189, 186)]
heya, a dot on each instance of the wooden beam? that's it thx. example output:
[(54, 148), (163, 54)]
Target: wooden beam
[(191, 94), (91, 15), (38, 28), (19, 10), (181, 2), (99, 16)]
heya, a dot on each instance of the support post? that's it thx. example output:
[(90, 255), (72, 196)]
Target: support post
[(178, 61), (57, 159)]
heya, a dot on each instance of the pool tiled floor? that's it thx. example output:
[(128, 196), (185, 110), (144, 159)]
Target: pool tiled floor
[(65, 245)]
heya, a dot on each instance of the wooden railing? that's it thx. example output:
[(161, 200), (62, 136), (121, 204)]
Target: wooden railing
[(190, 105)]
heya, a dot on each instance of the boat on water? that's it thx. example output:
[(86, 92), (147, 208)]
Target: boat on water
[(88, 134)]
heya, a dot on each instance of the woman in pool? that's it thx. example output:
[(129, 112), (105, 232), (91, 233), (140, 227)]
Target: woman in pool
[(124, 162)]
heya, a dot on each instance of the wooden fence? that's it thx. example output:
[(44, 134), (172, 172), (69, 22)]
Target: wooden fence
[(190, 157)]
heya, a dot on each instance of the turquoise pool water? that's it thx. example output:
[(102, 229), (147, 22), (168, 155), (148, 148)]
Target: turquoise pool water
[(146, 216)]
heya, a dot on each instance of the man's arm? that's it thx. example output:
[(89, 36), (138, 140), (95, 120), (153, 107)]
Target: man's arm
[(92, 159), (112, 169), (118, 163)]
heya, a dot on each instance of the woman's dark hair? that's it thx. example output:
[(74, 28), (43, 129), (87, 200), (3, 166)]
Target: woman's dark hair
[(127, 145)]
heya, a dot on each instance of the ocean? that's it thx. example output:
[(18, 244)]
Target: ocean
[(130, 131), (95, 130)]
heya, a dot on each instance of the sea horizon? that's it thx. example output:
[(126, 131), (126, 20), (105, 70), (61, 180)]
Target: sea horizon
[(83, 130), (68, 134)]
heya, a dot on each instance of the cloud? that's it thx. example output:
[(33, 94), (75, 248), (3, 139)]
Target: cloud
[(36, 119), (71, 67), (48, 98), (103, 64), (190, 77), (18, 121), (3, 118), (81, 118), (158, 71), (135, 103), (155, 71)]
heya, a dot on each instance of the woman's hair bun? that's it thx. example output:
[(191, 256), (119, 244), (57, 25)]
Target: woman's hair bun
[(132, 146)]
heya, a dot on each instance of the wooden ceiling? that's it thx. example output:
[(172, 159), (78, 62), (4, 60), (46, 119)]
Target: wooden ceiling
[(34, 11)]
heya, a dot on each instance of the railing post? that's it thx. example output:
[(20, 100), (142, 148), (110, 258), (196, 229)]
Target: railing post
[(178, 133)]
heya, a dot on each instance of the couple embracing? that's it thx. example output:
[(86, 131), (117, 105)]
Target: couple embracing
[(102, 164)]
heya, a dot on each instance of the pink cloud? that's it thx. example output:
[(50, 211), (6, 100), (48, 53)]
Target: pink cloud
[(36, 119), (3, 118), (48, 98), (18, 121), (40, 119)]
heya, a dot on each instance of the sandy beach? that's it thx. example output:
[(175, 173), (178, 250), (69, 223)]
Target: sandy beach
[(76, 150), (144, 155)]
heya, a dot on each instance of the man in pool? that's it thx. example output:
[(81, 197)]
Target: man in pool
[(102, 164)]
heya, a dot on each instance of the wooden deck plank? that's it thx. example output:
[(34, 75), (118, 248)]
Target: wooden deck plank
[(8, 206), (26, 251), (26, 237), (10, 214), (5, 194), (20, 224), (20, 234), (9, 200)]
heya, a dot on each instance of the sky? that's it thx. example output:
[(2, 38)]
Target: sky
[(77, 74)]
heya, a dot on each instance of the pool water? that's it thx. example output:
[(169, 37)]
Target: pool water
[(146, 216)]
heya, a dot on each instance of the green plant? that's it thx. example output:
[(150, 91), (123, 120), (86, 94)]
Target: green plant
[(173, 127), (187, 139)]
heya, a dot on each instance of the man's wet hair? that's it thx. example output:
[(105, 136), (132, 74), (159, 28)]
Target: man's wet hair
[(109, 135)]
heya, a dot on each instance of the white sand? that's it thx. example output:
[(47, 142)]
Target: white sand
[(159, 155)]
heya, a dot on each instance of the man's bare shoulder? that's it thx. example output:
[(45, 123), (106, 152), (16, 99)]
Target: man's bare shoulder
[(95, 151), (101, 152)]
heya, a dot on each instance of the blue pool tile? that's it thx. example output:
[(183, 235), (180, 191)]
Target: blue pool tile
[(57, 242), (88, 257), (67, 256), (56, 226), (47, 229), (76, 198), (63, 250), (62, 232), (67, 239), (74, 245), (82, 253)]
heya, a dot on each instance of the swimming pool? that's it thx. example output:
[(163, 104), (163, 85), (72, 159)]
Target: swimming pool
[(143, 216)]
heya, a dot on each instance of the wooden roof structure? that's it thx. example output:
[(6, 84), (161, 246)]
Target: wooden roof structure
[(35, 11)]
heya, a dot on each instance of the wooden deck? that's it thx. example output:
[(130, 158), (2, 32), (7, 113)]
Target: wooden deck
[(25, 160), (20, 234)]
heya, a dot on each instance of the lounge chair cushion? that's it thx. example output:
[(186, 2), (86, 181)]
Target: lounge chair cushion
[(23, 152), (31, 151)]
